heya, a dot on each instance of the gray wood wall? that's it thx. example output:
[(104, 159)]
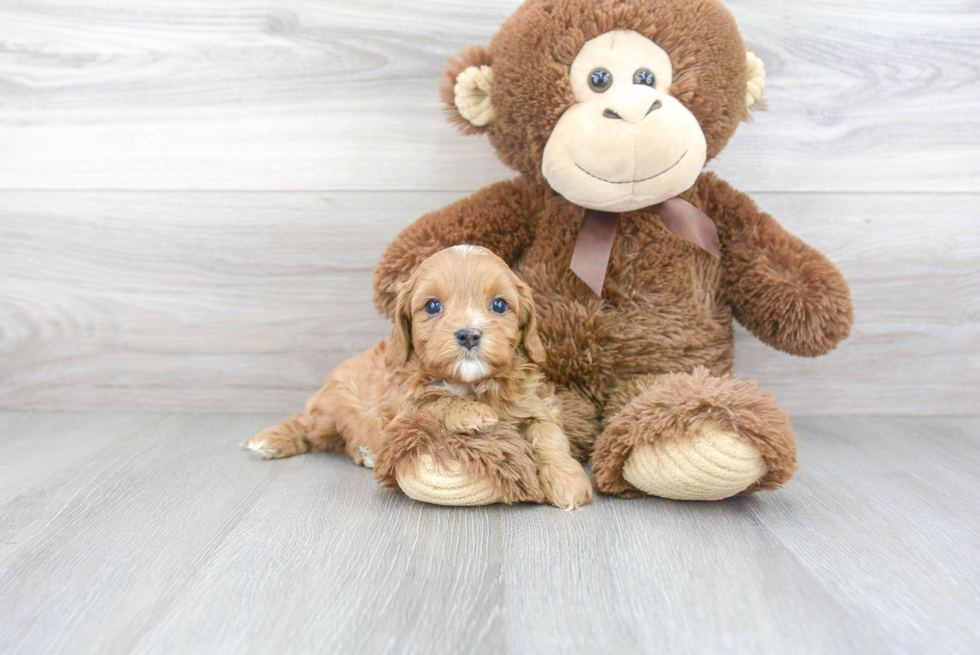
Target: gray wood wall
[(193, 195)]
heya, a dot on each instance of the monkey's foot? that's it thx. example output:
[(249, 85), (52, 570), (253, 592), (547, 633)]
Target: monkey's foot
[(693, 436), (713, 464)]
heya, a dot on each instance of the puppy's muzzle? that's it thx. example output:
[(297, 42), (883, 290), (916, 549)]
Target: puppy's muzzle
[(468, 338)]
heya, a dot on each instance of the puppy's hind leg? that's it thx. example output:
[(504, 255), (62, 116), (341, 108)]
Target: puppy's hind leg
[(313, 430)]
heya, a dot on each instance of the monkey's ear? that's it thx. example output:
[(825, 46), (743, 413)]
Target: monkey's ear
[(465, 90), (533, 346), (400, 343), (756, 81)]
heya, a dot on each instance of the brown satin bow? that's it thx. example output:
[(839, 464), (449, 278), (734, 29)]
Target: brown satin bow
[(590, 259)]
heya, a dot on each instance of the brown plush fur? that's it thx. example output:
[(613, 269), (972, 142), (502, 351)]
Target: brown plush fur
[(667, 306), (785, 292), (411, 396)]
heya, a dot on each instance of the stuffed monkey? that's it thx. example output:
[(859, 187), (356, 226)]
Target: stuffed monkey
[(638, 259)]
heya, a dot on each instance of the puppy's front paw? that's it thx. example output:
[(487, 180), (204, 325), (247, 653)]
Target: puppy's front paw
[(471, 418), (273, 444), (565, 485)]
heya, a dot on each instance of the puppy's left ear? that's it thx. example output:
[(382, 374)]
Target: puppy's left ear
[(400, 343), (529, 324)]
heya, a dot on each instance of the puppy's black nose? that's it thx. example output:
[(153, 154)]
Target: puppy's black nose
[(468, 337)]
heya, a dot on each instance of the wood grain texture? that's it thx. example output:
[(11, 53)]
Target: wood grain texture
[(334, 95), (155, 534), (244, 301)]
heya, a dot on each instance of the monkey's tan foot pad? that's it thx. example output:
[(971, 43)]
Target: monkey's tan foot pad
[(446, 485), (710, 465)]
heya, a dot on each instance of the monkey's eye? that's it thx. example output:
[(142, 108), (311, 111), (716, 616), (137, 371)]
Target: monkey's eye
[(498, 306), (433, 307), (643, 76), (599, 80)]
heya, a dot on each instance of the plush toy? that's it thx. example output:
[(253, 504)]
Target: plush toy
[(637, 258)]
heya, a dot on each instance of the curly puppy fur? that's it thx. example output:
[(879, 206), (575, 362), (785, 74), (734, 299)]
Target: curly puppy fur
[(667, 307), (424, 391)]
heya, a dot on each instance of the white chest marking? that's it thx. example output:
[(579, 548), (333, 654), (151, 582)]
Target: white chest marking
[(465, 390), (471, 370)]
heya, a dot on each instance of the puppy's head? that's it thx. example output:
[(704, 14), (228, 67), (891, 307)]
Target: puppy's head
[(464, 314)]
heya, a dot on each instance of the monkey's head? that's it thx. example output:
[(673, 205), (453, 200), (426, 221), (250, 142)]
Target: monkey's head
[(617, 105)]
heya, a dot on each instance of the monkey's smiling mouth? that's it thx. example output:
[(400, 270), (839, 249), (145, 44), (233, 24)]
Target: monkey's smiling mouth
[(632, 181)]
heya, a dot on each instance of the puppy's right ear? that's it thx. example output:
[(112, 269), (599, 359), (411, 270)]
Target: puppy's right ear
[(400, 344)]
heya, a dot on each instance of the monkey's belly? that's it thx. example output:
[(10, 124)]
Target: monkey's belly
[(662, 309), (594, 348)]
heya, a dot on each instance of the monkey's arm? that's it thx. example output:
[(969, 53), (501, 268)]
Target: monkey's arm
[(786, 293), (494, 217)]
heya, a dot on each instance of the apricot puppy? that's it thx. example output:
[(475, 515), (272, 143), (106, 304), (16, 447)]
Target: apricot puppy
[(451, 407)]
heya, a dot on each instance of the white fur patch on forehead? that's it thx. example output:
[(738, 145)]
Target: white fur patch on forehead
[(468, 249), (473, 318)]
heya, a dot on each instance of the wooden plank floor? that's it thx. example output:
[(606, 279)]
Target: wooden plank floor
[(156, 534)]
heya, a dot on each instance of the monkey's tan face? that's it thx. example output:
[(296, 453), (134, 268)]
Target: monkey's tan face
[(627, 143), (465, 312)]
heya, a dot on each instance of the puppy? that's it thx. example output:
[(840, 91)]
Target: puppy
[(461, 363)]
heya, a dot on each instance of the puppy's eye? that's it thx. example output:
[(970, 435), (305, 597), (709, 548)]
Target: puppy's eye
[(433, 307), (643, 76), (498, 306), (599, 80)]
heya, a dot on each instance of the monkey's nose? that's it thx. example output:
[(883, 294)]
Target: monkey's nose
[(468, 337), (632, 112)]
